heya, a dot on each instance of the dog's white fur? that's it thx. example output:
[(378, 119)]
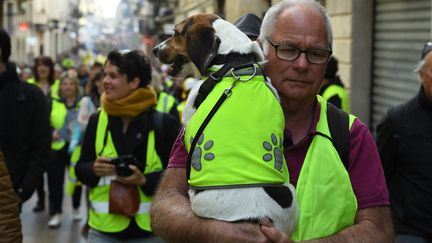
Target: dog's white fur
[(236, 204)]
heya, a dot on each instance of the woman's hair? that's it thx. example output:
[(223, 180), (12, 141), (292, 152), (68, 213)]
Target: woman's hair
[(74, 79), (272, 15), (132, 63), (90, 87), (47, 61)]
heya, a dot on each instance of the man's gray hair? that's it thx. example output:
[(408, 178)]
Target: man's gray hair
[(270, 18)]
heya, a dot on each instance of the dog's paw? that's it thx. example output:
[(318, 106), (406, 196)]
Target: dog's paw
[(274, 150), (198, 151)]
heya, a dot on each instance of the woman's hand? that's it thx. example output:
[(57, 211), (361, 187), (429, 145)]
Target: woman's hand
[(136, 179), (103, 167)]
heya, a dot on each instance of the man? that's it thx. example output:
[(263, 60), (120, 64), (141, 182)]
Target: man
[(405, 143), (24, 126), (353, 207), (333, 90), (249, 24)]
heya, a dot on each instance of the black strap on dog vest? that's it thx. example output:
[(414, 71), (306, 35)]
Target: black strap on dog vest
[(209, 84)]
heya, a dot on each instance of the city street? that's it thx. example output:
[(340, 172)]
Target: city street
[(35, 228)]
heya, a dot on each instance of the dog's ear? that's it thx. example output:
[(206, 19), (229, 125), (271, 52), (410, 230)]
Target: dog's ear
[(203, 45)]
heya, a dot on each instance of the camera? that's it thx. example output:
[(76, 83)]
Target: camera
[(122, 164)]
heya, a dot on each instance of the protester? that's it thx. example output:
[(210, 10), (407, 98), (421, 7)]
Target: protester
[(64, 113), (44, 78), (334, 205), (24, 126), (333, 90), (126, 131), (404, 141), (250, 25), (10, 223), (165, 102)]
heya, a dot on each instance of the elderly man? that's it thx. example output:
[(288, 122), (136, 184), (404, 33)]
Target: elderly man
[(353, 202), (405, 145)]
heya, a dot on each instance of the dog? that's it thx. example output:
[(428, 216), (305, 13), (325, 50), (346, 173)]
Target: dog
[(200, 43)]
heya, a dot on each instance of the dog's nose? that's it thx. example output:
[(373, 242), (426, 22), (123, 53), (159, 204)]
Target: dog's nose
[(155, 51)]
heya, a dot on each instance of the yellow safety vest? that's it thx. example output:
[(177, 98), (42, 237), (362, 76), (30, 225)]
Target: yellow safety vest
[(165, 102), (324, 192), (53, 89), (254, 155), (99, 216), (339, 91)]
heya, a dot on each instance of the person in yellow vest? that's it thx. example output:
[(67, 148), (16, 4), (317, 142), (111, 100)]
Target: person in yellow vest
[(337, 203), (64, 113), (44, 78), (333, 90), (165, 102), (126, 145)]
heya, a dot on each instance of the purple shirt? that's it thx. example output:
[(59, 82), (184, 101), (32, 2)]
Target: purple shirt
[(365, 170)]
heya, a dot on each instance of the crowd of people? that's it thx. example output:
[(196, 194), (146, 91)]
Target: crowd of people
[(114, 131)]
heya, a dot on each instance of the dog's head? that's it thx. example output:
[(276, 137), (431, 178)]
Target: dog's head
[(199, 39)]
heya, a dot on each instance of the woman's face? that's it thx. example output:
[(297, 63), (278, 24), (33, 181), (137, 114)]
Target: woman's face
[(68, 88), (43, 71), (115, 84)]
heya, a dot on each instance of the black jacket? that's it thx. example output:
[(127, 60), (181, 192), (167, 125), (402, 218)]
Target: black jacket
[(405, 145), (24, 131)]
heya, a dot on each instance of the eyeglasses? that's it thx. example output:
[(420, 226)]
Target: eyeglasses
[(291, 53), (426, 49)]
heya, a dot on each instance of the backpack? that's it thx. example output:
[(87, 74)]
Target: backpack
[(338, 122)]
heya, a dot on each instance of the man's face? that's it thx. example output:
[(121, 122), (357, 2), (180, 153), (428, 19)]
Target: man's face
[(297, 80), (426, 76)]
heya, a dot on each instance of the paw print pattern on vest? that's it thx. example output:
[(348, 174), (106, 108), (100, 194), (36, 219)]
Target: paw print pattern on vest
[(198, 151), (274, 150)]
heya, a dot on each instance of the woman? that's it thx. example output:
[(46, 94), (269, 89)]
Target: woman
[(127, 125), (44, 78), (64, 112)]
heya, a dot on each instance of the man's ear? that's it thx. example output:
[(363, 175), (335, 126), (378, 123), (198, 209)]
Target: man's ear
[(134, 84), (203, 45)]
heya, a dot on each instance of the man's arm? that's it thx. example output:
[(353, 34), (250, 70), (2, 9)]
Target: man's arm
[(39, 134), (173, 220), (371, 225)]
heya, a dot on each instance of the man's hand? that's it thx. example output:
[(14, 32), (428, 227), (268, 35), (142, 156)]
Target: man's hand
[(136, 179), (272, 233), (103, 167)]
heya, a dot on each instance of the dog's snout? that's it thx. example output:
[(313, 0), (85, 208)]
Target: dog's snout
[(155, 50)]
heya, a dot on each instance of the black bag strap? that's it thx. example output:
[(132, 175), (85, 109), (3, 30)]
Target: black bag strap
[(338, 122)]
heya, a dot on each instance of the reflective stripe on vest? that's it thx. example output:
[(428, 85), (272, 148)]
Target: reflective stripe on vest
[(324, 192), (99, 217), (57, 119), (165, 102), (254, 156), (103, 207), (340, 92)]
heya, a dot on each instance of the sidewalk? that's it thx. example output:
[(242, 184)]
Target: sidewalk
[(35, 228)]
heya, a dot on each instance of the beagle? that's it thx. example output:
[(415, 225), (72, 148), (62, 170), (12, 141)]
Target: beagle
[(200, 44)]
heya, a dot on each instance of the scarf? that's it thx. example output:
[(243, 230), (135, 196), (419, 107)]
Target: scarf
[(139, 101)]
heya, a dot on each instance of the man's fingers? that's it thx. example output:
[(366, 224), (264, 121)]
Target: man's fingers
[(274, 234)]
